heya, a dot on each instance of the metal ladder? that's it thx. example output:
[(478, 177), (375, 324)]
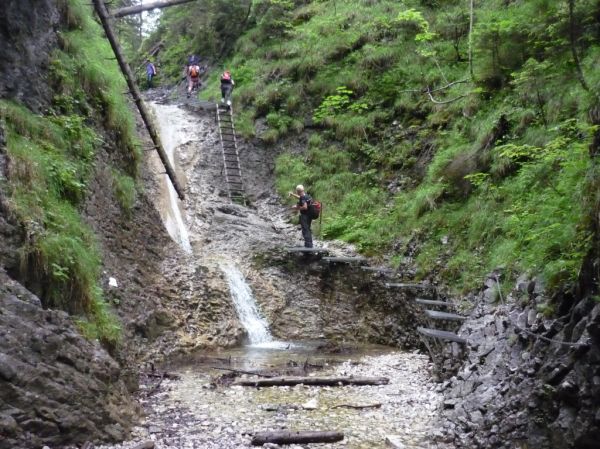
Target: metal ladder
[(231, 159)]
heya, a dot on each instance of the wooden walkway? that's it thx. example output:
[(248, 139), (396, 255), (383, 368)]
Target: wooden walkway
[(231, 158)]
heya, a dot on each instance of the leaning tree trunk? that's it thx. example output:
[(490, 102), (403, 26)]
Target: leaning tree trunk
[(122, 12), (137, 96)]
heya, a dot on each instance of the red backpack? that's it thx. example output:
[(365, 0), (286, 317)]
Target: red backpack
[(314, 209)]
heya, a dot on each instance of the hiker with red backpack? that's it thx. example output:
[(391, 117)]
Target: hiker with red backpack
[(227, 84), (309, 209), (193, 76)]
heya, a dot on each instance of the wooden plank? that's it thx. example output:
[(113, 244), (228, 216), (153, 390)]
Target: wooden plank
[(440, 334), (380, 270), (408, 286), (437, 315), (431, 302), (301, 249), (349, 260)]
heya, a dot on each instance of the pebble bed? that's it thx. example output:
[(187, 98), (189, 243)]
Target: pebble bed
[(189, 413)]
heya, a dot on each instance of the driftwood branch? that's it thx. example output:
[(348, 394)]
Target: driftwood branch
[(287, 437), (315, 381), (122, 12), (433, 100), (137, 96), (437, 89)]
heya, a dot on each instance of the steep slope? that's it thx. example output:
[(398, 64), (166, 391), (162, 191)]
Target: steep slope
[(70, 217)]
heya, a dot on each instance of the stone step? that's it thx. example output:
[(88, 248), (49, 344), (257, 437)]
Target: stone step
[(431, 302), (437, 315), (442, 335)]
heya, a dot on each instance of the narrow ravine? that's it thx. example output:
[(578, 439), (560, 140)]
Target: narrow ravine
[(197, 407)]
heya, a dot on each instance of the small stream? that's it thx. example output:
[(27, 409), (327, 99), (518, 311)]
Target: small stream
[(202, 409)]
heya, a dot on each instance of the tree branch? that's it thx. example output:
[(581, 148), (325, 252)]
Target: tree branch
[(433, 100)]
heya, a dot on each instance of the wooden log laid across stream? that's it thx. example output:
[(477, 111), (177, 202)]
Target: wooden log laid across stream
[(288, 437), (349, 260), (315, 381), (303, 250)]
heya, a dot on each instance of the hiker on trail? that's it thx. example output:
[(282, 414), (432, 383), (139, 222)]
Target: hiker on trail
[(150, 72), (305, 219), (227, 84), (193, 76)]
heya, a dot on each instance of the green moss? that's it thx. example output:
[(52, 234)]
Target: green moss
[(496, 164)]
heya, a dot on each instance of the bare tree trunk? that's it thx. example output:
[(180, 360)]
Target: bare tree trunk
[(135, 92), (471, 40), (153, 5), (573, 45)]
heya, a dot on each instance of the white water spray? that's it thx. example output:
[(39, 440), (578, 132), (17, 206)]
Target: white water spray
[(246, 307), (169, 121)]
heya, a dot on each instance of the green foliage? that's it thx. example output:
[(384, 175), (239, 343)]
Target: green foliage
[(84, 79), (495, 166), (50, 161), (125, 190)]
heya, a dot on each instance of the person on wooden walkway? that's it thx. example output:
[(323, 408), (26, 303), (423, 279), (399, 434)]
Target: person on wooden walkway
[(302, 206)]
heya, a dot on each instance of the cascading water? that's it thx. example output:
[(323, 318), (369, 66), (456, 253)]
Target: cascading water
[(246, 307), (169, 121)]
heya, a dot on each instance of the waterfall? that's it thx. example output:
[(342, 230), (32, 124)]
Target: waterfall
[(169, 119), (246, 307)]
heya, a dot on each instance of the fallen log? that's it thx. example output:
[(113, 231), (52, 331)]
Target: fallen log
[(240, 371), (288, 437), (375, 405), (314, 381), (129, 10)]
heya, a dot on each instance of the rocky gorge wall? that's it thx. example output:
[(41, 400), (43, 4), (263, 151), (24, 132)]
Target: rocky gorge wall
[(337, 301), (56, 387), (527, 380)]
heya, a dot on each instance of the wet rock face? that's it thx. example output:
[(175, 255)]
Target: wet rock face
[(516, 386), (340, 302), (27, 33), (55, 386)]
